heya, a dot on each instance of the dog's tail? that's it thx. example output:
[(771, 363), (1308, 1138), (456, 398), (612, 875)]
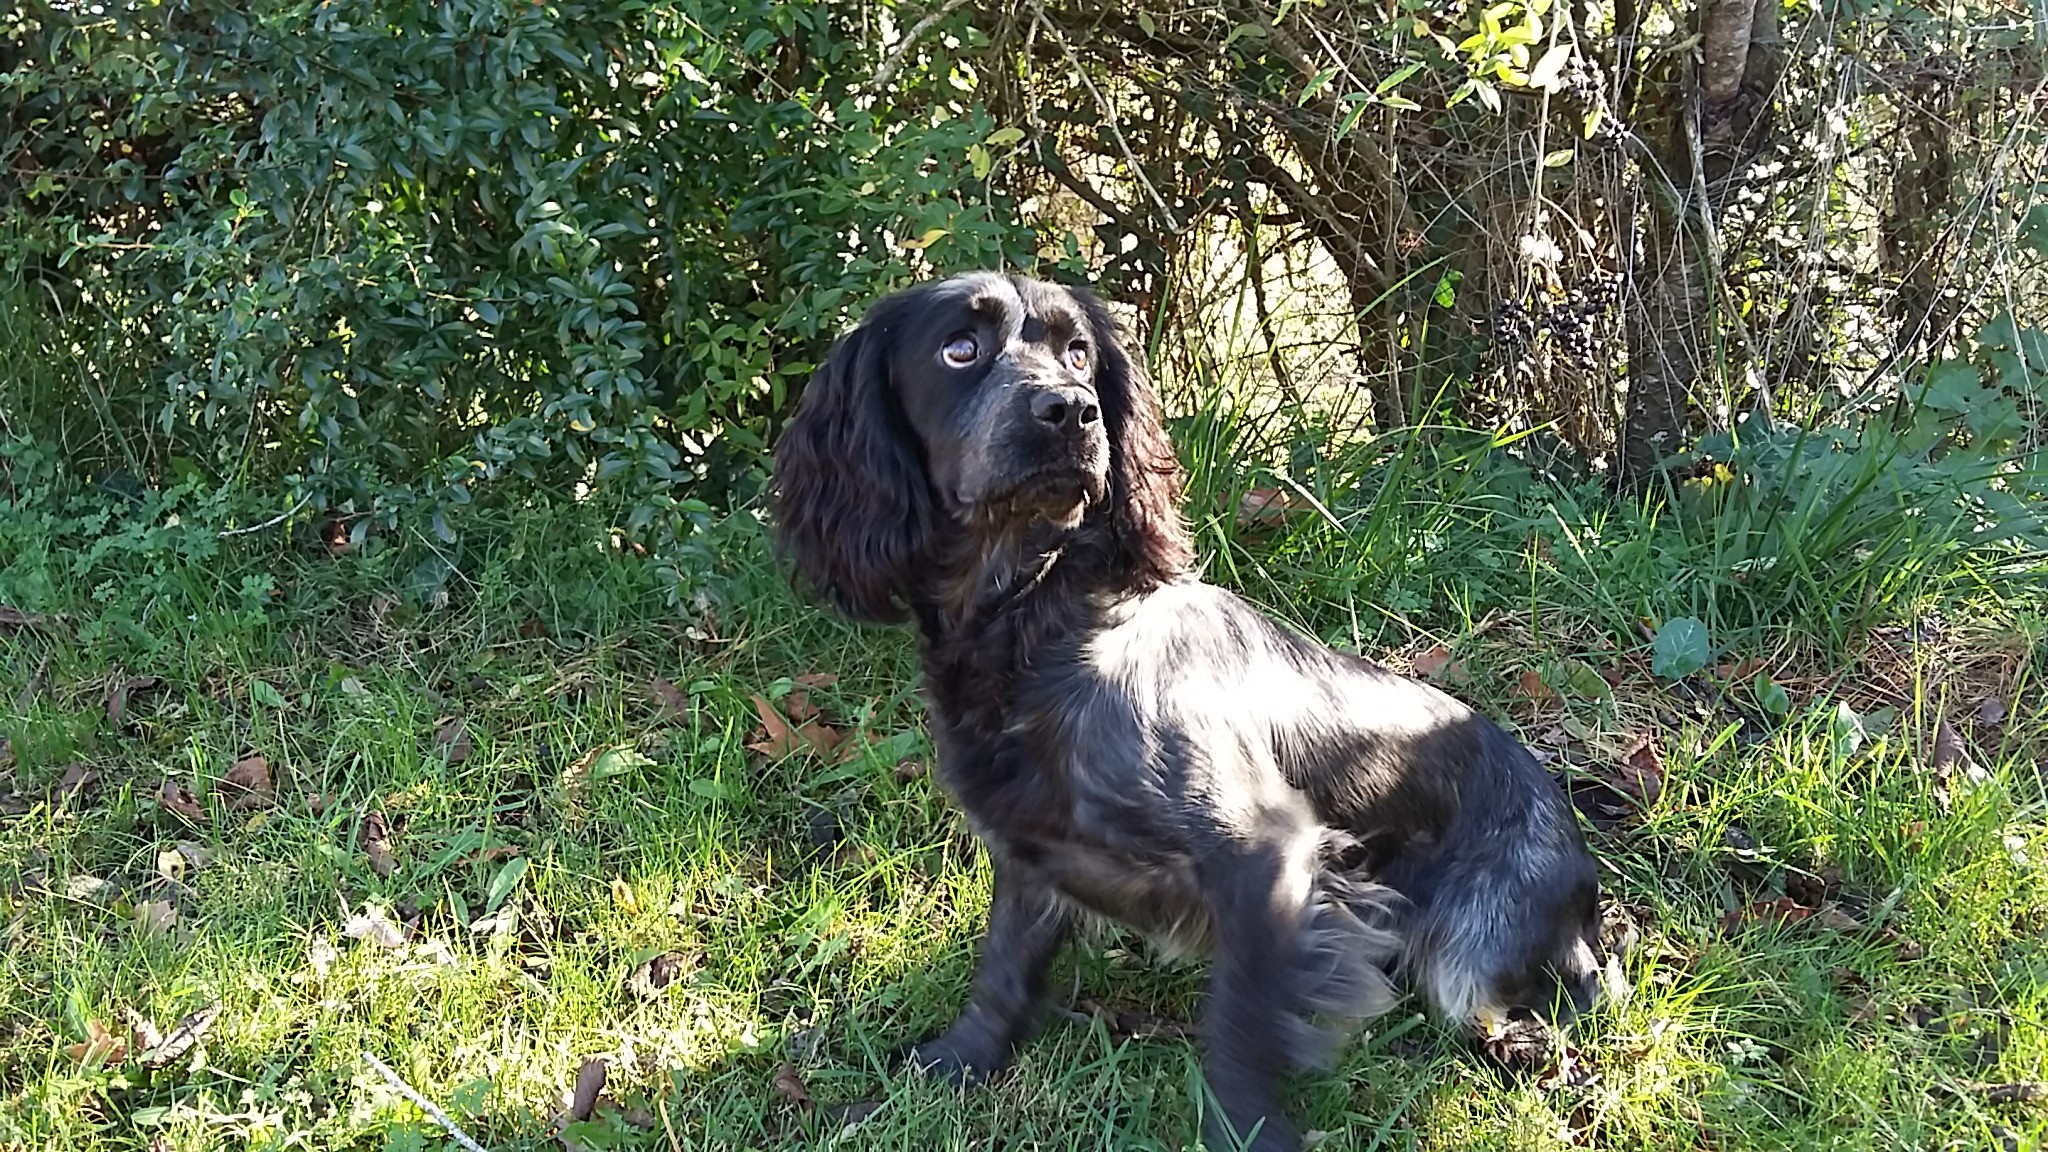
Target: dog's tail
[(1349, 944)]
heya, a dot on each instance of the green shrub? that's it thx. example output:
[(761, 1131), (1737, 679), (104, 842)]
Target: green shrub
[(373, 255)]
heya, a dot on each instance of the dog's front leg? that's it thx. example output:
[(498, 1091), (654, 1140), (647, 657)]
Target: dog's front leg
[(1028, 921), (1258, 899)]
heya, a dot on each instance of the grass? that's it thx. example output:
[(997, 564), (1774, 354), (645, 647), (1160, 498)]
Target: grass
[(1839, 912)]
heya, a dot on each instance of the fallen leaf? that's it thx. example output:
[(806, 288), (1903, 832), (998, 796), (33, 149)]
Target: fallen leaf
[(247, 785), (141, 1030), (1783, 910), (1991, 713), (1915, 831), (1531, 687), (1437, 664), (374, 925), (90, 889), (1640, 775), (602, 763), (1740, 669), (909, 770), (100, 1047), (76, 779), (187, 1033), (156, 917), (813, 737), (1132, 1023), (817, 680), (12, 618), (671, 698), (647, 981), (589, 1085), (451, 740), (790, 1086), (1264, 506), (117, 700), (1948, 749), (797, 705), (2014, 1092), (622, 895), (317, 803), (1836, 920), (374, 835), (178, 800)]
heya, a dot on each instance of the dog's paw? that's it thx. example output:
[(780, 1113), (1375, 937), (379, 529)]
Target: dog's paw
[(954, 1060), (1275, 1134)]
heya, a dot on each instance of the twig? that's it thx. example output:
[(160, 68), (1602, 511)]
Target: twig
[(669, 1128), (273, 522), (1109, 116), (887, 71), (423, 1104)]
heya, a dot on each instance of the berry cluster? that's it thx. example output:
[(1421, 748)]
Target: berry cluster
[(1570, 321)]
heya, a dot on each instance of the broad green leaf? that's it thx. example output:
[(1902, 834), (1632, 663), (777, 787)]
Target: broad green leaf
[(1680, 648), (503, 882), (1771, 695), (262, 693), (1003, 137)]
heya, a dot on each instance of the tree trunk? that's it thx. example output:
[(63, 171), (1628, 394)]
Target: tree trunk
[(1698, 127)]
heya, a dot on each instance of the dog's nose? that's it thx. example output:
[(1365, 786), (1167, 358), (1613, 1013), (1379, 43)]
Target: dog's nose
[(1066, 408)]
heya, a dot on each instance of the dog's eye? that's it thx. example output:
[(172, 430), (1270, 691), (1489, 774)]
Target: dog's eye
[(1077, 357), (960, 351)]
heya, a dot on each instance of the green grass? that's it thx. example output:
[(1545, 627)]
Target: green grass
[(546, 642)]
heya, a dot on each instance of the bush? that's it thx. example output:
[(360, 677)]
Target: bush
[(374, 255)]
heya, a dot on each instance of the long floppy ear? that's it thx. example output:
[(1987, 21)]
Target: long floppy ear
[(1144, 473), (851, 499)]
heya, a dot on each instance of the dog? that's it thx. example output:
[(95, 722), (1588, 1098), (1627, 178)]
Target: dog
[(982, 458)]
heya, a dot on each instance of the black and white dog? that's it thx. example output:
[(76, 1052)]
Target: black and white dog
[(982, 458)]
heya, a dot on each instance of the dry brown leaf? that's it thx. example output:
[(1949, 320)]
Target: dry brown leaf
[(185, 1034), (101, 1047), (589, 1086), (1740, 669), (1531, 687), (1134, 1024), (156, 917), (1783, 910), (247, 785), (790, 1086), (647, 981), (813, 737), (12, 618), (1640, 774), (817, 680), (117, 700), (1948, 748), (797, 705), (671, 698), (317, 803), (374, 836), (909, 770), (178, 800), (1437, 664), (76, 779), (451, 740), (1265, 506)]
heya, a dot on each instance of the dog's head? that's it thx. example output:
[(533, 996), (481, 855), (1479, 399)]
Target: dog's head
[(983, 404)]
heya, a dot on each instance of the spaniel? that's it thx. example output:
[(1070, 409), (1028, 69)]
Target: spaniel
[(982, 458)]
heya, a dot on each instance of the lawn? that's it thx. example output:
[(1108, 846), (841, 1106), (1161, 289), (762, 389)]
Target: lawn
[(488, 817)]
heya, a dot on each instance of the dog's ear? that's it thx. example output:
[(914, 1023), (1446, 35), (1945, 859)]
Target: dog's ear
[(852, 502), (1144, 473)]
